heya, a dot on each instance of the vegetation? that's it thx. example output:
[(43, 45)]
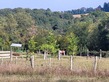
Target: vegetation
[(59, 71), (84, 10), (40, 30), (44, 30)]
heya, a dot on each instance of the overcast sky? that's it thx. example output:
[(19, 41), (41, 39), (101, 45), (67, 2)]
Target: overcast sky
[(54, 5)]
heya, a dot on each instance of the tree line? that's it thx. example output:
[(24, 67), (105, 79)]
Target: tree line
[(84, 10), (44, 30)]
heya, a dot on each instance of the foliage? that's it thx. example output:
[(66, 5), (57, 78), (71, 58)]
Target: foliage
[(84, 10), (48, 43), (72, 47), (48, 48), (32, 45), (39, 29)]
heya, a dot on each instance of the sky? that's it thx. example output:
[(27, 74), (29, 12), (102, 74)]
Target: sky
[(54, 5)]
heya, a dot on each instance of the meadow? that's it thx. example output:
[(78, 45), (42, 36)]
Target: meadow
[(54, 70)]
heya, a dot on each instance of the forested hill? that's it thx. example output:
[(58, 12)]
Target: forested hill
[(39, 29), (84, 10)]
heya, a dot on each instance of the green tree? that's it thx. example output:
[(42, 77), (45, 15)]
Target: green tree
[(103, 36), (80, 30), (72, 44), (32, 44), (25, 25), (49, 48), (46, 40)]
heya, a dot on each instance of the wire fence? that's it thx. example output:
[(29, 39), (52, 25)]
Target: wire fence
[(70, 62)]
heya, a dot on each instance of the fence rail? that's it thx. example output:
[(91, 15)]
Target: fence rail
[(71, 62), (4, 54)]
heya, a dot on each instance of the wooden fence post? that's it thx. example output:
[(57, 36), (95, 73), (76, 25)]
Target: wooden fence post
[(16, 60), (50, 62), (87, 53), (32, 61), (95, 64), (1, 61), (45, 55), (71, 63), (100, 53), (59, 55), (11, 54)]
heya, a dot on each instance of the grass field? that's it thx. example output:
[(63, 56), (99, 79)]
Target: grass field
[(54, 70)]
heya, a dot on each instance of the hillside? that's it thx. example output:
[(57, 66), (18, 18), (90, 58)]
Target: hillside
[(39, 29)]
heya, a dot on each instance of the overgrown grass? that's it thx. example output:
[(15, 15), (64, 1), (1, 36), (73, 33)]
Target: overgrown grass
[(58, 71)]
